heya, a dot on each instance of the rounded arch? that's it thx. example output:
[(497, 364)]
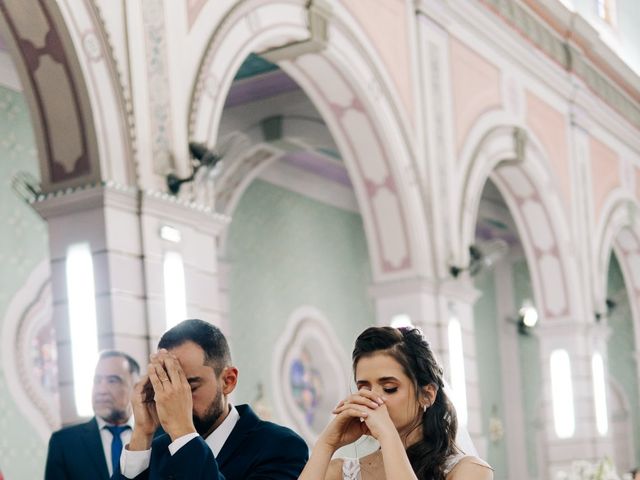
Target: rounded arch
[(617, 232), (29, 309), (72, 86), (511, 156), (252, 155), (614, 232), (339, 76)]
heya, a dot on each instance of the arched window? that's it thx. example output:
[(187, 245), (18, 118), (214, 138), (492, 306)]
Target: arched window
[(562, 394), (607, 11), (175, 303), (83, 324), (458, 380), (599, 393)]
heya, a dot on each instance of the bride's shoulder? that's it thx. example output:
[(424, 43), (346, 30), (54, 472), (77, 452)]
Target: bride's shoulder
[(468, 466)]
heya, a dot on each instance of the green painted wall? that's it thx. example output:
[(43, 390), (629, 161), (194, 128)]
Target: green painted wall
[(285, 251), (529, 350), (490, 381), (23, 245), (621, 346)]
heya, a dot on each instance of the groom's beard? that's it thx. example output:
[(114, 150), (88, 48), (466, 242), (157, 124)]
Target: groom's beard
[(204, 425)]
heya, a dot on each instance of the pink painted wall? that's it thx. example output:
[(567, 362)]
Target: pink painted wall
[(194, 7), (605, 173), (549, 126), (476, 88), (386, 23)]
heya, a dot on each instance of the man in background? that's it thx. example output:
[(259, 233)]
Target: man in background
[(92, 449)]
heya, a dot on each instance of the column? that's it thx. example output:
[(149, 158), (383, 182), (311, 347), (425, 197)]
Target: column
[(430, 306), (580, 340), (122, 227)]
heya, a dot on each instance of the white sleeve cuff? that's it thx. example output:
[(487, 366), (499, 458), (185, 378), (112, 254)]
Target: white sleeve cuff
[(181, 442), (133, 463)]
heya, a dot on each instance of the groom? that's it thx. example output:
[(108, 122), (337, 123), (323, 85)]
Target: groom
[(189, 381)]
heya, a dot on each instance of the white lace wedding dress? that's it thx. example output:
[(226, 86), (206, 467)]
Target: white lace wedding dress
[(351, 467)]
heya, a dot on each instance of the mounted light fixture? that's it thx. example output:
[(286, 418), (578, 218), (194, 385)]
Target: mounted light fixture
[(610, 306), (26, 186), (527, 318), (201, 157), (482, 257)]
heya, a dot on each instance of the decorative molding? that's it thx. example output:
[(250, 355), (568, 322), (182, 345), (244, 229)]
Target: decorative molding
[(199, 217), (363, 123), (319, 17), (308, 333), (514, 164), (30, 309), (128, 198), (411, 286), (85, 197), (48, 67), (572, 55), (158, 80), (122, 92)]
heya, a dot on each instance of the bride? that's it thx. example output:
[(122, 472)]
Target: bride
[(402, 404)]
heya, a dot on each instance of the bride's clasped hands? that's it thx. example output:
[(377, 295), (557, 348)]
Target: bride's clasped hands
[(362, 413)]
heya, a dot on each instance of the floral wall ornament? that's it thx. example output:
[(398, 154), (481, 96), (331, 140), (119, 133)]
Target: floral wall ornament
[(31, 356), (308, 365)]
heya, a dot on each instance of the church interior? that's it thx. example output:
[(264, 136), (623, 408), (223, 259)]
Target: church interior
[(294, 171)]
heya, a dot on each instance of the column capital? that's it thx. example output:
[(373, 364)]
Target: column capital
[(87, 197), (560, 328), (168, 207), (132, 200), (461, 290), (405, 286)]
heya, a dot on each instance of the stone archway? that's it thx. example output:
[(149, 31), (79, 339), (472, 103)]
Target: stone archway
[(340, 77), (70, 81), (512, 158), (618, 232)]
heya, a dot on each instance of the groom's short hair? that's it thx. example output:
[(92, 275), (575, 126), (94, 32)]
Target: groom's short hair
[(206, 336)]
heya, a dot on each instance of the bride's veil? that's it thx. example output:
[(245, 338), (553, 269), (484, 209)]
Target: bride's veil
[(463, 439)]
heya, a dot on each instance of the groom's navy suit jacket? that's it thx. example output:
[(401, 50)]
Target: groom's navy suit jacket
[(76, 453), (255, 450)]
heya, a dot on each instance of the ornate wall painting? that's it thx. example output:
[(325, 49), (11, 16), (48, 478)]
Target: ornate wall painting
[(310, 373)]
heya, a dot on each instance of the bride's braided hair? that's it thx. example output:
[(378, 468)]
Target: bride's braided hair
[(439, 424)]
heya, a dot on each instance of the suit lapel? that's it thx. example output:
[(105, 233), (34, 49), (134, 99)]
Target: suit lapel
[(248, 420), (92, 445)]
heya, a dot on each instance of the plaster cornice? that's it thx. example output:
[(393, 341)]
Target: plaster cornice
[(576, 46), (126, 198), (562, 36)]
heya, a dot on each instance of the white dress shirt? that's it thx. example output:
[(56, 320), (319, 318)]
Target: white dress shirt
[(133, 463), (107, 438)]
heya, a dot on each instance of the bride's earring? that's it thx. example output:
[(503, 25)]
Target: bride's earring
[(424, 407)]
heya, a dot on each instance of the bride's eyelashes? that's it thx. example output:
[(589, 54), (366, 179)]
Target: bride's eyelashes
[(390, 389)]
